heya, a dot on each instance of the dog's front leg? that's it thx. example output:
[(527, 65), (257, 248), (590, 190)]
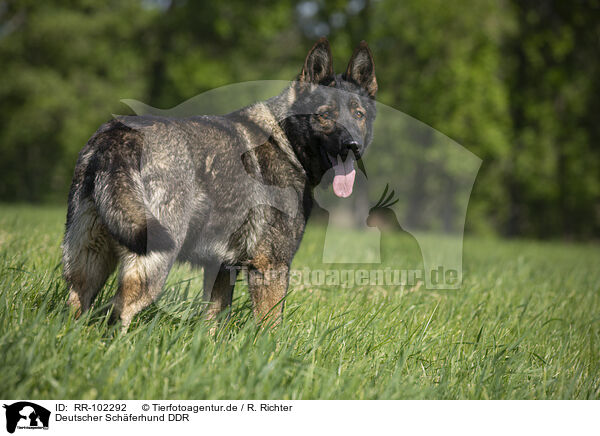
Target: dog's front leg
[(268, 283), (219, 282)]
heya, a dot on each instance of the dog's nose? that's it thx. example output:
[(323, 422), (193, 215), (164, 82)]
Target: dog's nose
[(349, 146), (352, 144)]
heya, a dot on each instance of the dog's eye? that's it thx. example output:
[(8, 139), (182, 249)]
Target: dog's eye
[(328, 115), (359, 114)]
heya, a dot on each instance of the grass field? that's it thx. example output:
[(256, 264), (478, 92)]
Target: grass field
[(525, 325)]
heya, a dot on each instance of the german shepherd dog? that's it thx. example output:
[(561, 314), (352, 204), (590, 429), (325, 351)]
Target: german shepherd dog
[(149, 191)]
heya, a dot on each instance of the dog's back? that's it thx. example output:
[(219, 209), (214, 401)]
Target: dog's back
[(150, 190)]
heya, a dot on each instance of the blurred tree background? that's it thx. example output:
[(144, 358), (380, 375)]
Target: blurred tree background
[(516, 82)]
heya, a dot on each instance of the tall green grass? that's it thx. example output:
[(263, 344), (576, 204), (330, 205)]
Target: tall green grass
[(526, 324)]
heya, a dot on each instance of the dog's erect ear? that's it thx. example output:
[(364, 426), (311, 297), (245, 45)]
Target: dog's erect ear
[(361, 69), (318, 65)]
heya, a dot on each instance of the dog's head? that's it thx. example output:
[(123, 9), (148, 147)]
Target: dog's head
[(332, 115)]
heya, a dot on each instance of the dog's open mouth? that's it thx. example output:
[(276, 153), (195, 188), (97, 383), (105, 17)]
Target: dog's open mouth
[(344, 173)]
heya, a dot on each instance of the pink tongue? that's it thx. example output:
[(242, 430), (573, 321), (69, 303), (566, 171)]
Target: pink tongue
[(343, 181)]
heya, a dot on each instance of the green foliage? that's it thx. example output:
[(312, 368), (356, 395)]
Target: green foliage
[(443, 69), (65, 66), (514, 82), (524, 326), (554, 182)]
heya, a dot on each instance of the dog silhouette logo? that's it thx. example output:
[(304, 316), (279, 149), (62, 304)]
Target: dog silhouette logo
[(26, 415)]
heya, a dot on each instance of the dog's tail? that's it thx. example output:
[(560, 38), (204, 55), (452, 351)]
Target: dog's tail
[(118, 191), (119, 198)]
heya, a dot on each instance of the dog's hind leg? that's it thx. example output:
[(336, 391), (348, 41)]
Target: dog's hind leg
[(88, 256), (141, 279)]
